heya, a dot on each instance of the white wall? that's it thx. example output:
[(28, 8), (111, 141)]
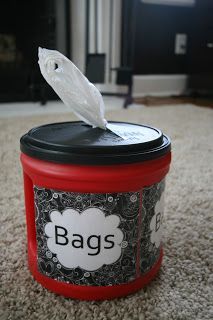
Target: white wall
[(78, 36), (78, 25)]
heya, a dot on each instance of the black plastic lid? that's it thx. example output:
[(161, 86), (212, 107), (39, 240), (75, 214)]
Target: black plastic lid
[(78, 143)]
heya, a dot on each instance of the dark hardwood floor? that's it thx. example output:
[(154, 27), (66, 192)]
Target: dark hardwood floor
[(158, 101)]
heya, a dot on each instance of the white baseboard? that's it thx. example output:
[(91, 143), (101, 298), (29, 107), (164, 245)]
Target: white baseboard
[(150, 85), (159, 85), (111, 88)]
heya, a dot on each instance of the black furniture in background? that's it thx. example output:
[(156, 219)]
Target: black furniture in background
[(24, 26), (200, 50)]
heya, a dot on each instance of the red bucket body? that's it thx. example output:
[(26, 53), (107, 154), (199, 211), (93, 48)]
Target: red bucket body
[(83, 179)]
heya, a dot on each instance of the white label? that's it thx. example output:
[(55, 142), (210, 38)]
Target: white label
[(129, 132), (87, 240)]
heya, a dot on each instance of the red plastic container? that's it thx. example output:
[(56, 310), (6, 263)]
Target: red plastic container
[(94, 207)]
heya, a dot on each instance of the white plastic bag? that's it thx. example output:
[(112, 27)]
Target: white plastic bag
[(72, 87)]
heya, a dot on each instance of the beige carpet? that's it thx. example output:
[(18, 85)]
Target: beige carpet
[(182, 288)]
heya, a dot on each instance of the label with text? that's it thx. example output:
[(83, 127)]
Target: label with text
[(92, 239)]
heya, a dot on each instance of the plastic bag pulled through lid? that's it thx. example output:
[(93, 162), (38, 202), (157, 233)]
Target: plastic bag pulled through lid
[(72, 87)]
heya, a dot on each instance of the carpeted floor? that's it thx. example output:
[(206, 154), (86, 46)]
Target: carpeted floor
[(182, 288)]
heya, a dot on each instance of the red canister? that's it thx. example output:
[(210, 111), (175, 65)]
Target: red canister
[(94, 207)]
